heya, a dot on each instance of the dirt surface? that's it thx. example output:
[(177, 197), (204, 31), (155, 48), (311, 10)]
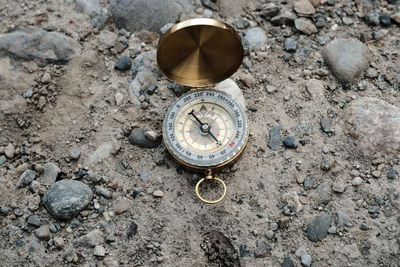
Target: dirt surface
[(273, 195)]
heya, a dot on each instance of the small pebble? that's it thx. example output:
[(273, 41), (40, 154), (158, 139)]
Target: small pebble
[(357, 181), (46, 78), (124, 63), (376, 174), (306, 260), (99, 251), (158, 193), (33, 220), (269, 234), (43, 233), (290, 142)]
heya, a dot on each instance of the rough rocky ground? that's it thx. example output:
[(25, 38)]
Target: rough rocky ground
[(318, 184)]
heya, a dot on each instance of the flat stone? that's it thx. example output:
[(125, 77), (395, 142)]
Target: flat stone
[(66, 198), (93, 238), (256, 38), (59, 242), (376, 174), (300, 251), (3, 160), (342, 219), (101, 191), (317, 229), (43, 233), (327, 163), (151, 15), (287, 262), (306, 260), (346, 59), (290, 45), (305, 26), (107, 39), (9, 150), (75, 153), (122, 206), (326, 125), (338, 188), (290, 142), (99, 251), (138, 138), (262, 251), (324, 193), (35, 44), (158, 193), (303, 7), (26, 178), (50, 173), (34, 220), (275, 140), (375, 125), (357, 181)]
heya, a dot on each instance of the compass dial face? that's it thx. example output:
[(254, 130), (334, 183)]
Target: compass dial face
[(205, 128)]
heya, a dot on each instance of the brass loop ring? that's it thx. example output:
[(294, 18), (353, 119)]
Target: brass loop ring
[(212, 180)]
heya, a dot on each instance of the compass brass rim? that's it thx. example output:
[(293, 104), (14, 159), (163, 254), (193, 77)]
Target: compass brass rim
[(200, 52), (215, 179)]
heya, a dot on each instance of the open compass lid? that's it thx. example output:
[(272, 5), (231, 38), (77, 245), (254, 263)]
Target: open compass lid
[(199, 52)]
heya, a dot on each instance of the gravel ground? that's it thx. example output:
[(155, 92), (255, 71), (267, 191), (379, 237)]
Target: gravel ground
[(86, 181)]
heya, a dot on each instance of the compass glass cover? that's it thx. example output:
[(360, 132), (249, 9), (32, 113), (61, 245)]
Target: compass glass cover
[(205, 128)]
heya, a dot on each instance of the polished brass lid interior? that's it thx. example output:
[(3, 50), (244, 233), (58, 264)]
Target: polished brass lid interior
[(199, 52)]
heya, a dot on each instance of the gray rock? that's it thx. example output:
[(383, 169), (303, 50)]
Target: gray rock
[(99, 251), (32, 246), (269, 11), (392, 173), (43, 233), (357, 181), (284, 18), (66, 198), (270, 234), (306, 260), (9, 151), (342, 219), (396, 17), (275, 140), (34, 220), (256, 38), (107, 39), (101, 191), (38, 45), (94, 238), (371, 73), (123, 63), (54, 227), (304, 7), (327, 163), (103, 152), (287, 262), (50, 173), (139, 138), (317, 230), (26, 178), (151, 15), (373, 18), (75, 153), (290, 45), (3, 160), (324, 193), (290, 142), (375, 125), (326, 125), (346, 59), (305, 26)]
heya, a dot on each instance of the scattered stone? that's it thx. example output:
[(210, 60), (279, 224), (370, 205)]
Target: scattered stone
[(107, 39), (290, 142), (262, 251), (269, 10), (290, 45), (122, 206), (158, 193), (317, 230), (371, 73), (35, 44), (270, 234), (9, 151), (300, 251), (26, 178), (18, 212), (271, 89), (256, 38), (34, 220), (306, 260), (46, 78), (43, 233), (138, 138), (304, 7), (20, 243), (99, 251), (327, 163), (346, 58), (376, 174), (305, 26), (59, 241), (151, 15), (338, 188), (284, 18), (93, 238), (381, 34), (4, 210), (364, 227), (3, 160), (75, 153), (396, 17), (123, 63), (50, 173), (291, 199), (32, 246), (324, 193), (357, 181), (66, 198), (392, 173), (287, 262), (385, 19), (375, 125), (101, 191), (342, 219), (103, 152), (132, 230), (347, 21), (332, 230), (275, 140), (373, 18), (308, 183), (54, 227), (326, 125)]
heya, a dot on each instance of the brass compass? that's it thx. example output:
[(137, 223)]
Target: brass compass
[(204, 129)]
